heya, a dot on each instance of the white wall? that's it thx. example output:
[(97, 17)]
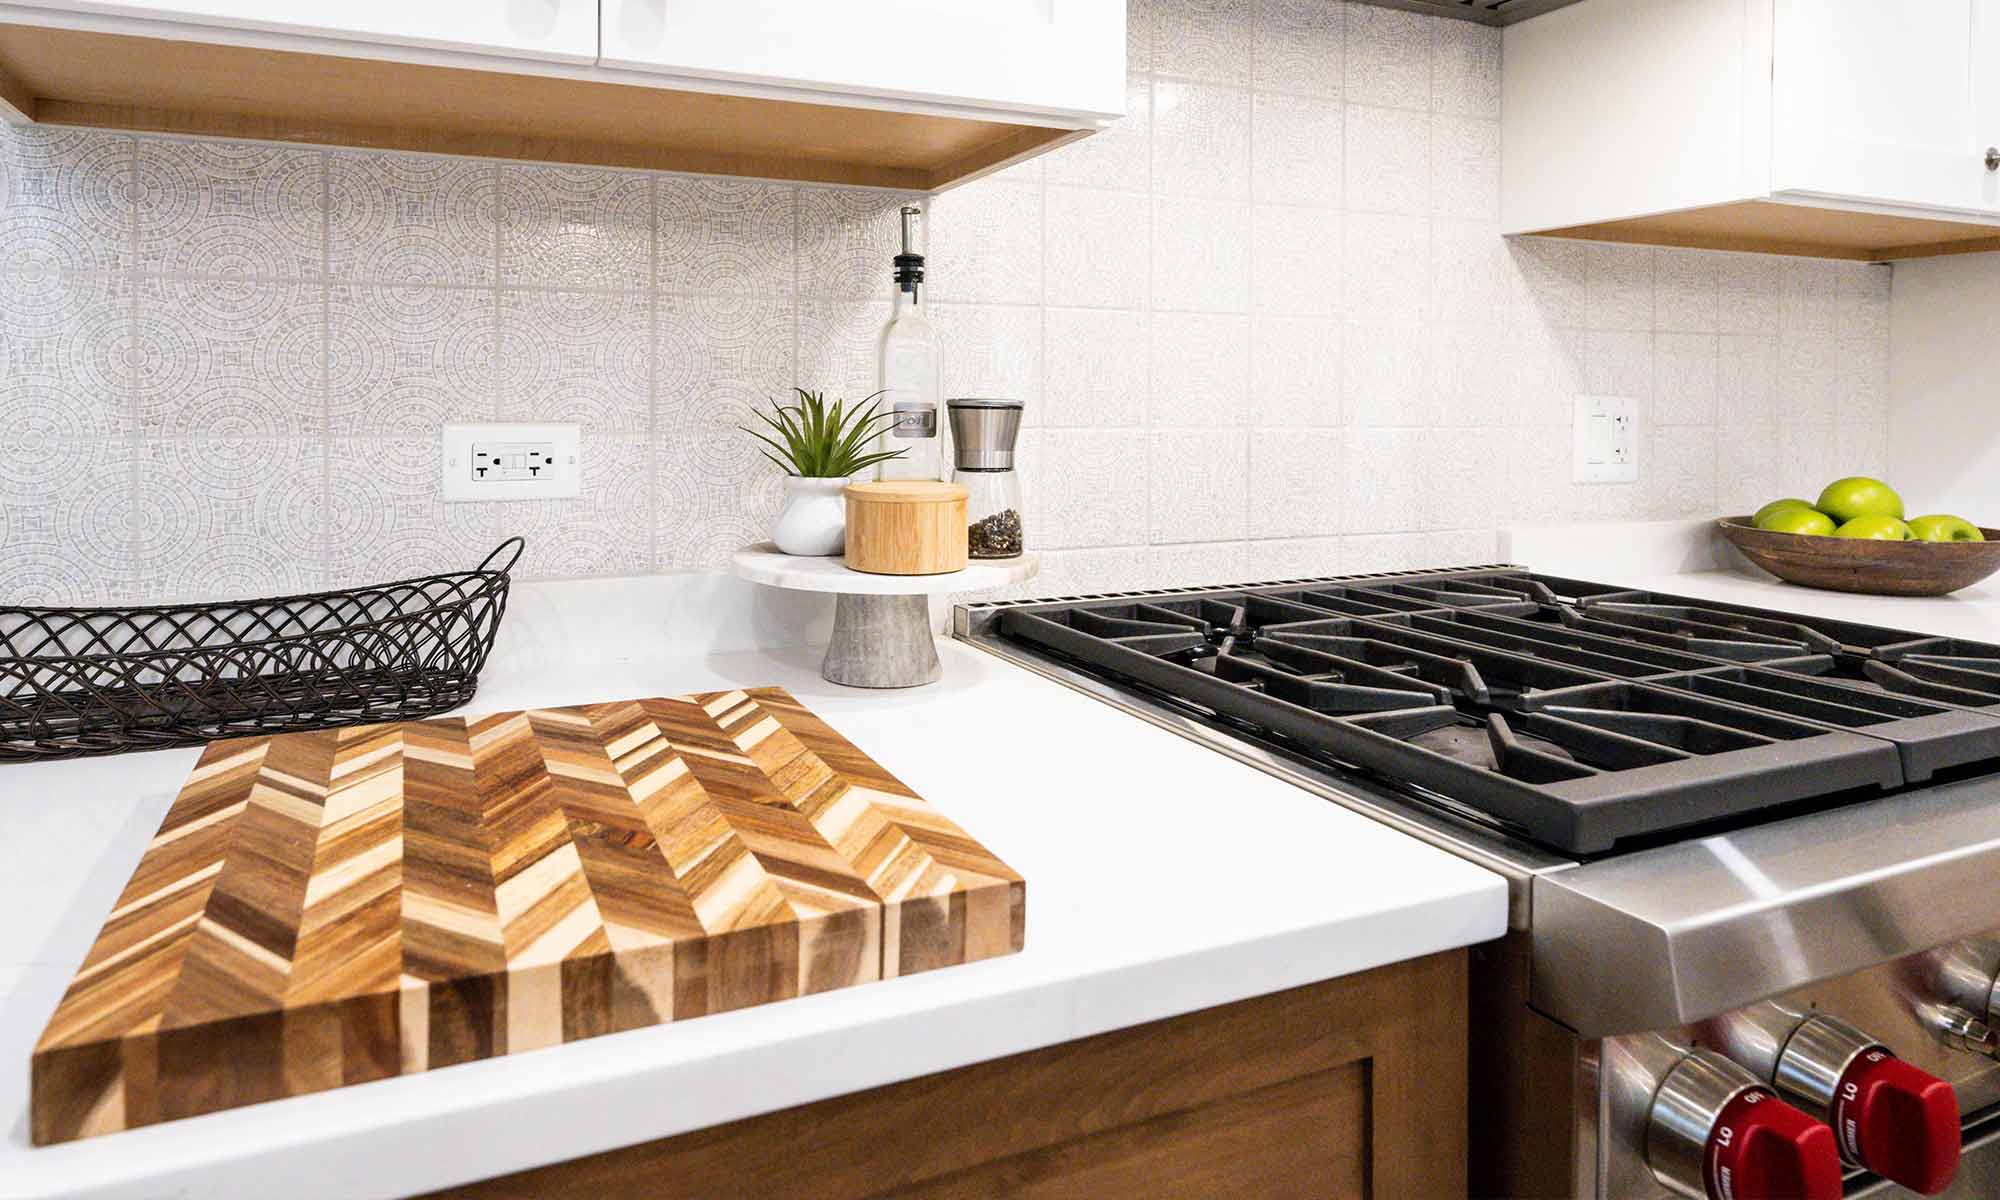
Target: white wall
[(1944, 385)]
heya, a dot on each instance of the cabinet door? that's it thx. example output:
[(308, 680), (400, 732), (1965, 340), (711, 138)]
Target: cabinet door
[(554, 30), (1064, 58), (1887, 103)]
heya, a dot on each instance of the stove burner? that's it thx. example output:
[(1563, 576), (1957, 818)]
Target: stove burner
[(1578, 712)]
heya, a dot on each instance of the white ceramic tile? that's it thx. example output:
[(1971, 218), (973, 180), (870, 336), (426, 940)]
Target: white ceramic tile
[(1098, 248), (1685, 378), (64, 522), (230, 358), (575, 227), (581, 357), (1618, 286), (1296, 558), (1201, 370), (726, 235), (1138, 35), (1295, 260), (1682, 483), (1465, 167), (1459, 480), (1808, 457), (1199, 485), (231, 208), (1862, 448), (1808, 300), (1809, 380), (1093, 488), (1098, 367), (1201, 140), (604, 531), (720, 357), (1472, 275), (847, 237), (1747, 293), (221, 518), (1202, 39), (1385, 267), (1863, 367), (995, 351), (1294, 372), (64, 368), (837, 349), (1746, 380), (1553, 280), (65, 199), (1465, 69), (1618, 363), (1461, 374), (1201, 254), (1296, 47), (1386, 479), (387, 519), (1118, 157), (1685, 290), (1383, 382), (1386, 152), (1296, 482), (1863, 298), (405, 360), (1295, 149), (1746, 468), (985, 243), (1388, 57), (1538, 374), (410, 218)]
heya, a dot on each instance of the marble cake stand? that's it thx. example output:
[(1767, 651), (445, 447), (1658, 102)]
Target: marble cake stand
[(881, 623)]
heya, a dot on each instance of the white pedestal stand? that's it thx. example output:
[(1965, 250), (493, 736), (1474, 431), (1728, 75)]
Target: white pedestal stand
[(881, 623)]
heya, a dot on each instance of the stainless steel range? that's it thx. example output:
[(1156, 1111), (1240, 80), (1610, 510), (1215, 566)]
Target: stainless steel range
[(1754, 856)]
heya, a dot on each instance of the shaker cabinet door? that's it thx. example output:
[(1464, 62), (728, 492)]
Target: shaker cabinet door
[(1062, 58), (551, 30), (1890, 104)]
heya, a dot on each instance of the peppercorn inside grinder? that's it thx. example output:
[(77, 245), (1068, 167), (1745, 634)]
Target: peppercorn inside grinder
[(983, 433)]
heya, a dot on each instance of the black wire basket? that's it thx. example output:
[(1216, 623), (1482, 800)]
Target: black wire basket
[(81, 681)]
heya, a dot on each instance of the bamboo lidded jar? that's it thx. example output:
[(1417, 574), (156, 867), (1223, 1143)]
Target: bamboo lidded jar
[(906, 527)]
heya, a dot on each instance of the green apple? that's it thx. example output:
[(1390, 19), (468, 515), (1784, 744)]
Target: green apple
[(1943, 527), (1776, 506), (1798, 520), (1859, 496), (1884, 529)]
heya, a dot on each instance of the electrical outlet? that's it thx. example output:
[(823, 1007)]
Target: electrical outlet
[(1606, 443), (511, 462)]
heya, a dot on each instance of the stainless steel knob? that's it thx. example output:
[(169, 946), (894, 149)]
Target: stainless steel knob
[(1993, 158)]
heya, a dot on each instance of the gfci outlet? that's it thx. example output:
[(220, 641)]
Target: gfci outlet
[(1607, 440), (511, 462)]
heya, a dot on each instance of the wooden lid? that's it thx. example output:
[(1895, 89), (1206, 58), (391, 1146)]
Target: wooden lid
[(905, 491)]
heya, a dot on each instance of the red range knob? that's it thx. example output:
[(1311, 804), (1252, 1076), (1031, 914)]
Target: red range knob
[(1761, 1148), (1898, 1121)]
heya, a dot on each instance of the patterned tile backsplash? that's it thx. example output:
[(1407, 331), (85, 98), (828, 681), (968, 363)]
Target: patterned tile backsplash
[(1266, 326)]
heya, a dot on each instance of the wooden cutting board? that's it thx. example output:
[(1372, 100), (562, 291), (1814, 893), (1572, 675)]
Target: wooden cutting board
[(328, 908)]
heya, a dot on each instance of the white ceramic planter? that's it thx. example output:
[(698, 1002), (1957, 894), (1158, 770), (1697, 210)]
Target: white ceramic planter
[(813, 520)]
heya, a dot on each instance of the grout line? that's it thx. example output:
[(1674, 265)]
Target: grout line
[(134, 585), (326, 505), (653, 456)]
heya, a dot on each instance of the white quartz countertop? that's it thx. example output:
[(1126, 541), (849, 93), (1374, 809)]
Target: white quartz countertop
[(1162, 878)]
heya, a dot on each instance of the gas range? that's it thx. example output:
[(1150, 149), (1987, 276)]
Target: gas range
[(1720, 825)]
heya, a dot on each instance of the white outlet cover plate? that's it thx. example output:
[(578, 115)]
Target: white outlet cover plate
[(1606, 440), (461, 483)]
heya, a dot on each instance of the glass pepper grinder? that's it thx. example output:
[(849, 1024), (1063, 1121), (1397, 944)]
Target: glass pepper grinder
[(983, 433)]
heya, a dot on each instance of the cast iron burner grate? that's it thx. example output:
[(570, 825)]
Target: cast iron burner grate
[(1578, 713)]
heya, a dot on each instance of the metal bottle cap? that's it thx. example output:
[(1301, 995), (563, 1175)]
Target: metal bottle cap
[(983, 433)]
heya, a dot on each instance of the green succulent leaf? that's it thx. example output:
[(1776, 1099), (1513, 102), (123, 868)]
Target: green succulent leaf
[(816, 440)]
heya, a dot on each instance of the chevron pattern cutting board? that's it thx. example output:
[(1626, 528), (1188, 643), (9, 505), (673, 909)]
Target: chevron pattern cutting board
[(321, 909)]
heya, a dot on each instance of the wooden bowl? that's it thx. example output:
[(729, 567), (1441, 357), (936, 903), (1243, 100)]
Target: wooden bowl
[(1839, 564)]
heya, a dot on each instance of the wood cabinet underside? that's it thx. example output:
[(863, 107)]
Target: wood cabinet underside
[(70, 77), (1354, 1088)]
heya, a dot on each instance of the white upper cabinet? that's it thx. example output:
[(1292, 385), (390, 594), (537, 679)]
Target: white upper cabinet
[(1851, 128), (551, 30), (1887, 103), (1058, 57)]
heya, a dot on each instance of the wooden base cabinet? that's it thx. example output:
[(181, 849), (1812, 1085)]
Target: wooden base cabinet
[(1346, 1089)]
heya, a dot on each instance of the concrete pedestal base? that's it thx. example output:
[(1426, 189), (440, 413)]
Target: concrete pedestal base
[(881, 642)]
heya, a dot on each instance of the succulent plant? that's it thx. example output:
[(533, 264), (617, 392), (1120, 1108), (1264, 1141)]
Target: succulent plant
[(818, 441)]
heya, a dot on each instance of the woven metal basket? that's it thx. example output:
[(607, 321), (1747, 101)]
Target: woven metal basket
[(80, 681)]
